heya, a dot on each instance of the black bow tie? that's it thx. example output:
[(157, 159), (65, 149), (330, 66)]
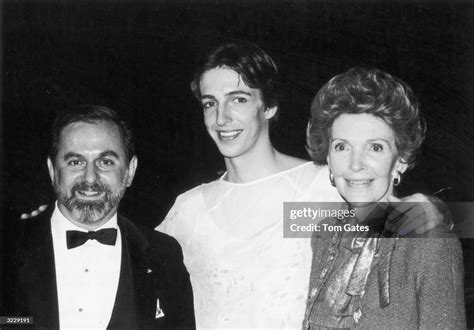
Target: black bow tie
[(77, 238)]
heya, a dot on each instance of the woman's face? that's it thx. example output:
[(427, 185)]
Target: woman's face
[(363, 158)]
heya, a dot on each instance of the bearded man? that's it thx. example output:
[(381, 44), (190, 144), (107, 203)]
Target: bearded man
[(79, 264)]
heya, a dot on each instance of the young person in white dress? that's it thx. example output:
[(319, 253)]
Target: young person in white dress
[(243, 272)]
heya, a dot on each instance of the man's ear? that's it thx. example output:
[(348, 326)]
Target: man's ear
[(132, 167), (50, 169), (270, 112)]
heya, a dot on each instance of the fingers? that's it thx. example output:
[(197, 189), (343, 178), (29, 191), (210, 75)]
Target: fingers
[(410, 217), (34, 213), (401, 225), (403, 208), (407, 225), (425, 227)]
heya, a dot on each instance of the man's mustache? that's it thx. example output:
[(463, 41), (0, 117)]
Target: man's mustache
[(84, 186)]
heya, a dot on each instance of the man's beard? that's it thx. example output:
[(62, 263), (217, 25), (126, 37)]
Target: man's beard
[(89, 211)]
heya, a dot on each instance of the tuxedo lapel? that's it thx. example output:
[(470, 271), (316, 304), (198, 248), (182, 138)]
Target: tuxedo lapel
[(123, 314), (159, 283), (134, 305), (36, 287)]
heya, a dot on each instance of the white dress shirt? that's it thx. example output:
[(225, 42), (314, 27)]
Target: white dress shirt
[(86, 276)]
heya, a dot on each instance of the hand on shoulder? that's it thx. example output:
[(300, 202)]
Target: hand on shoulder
[(34, 213), (417, 214)]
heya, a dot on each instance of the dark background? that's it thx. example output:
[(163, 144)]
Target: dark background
[(138, 58)]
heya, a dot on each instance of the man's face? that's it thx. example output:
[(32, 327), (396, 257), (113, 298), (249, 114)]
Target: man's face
[(234, 114), (90, 172)]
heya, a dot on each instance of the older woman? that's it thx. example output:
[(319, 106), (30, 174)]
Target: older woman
[(365, 124)]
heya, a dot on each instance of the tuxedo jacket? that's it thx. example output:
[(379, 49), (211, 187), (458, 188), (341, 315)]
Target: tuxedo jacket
[(152, 271)]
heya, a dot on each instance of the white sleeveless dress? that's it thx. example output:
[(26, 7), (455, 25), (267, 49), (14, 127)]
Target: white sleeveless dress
[(243, 272)]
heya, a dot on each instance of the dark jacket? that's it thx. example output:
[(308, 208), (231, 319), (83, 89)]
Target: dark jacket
[(151, 268)]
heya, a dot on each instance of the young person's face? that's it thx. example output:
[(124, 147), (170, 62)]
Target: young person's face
[(90, 172), (363, 158), (234, 113)]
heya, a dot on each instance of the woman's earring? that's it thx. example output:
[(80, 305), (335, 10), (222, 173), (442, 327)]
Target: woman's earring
[(397, 178), (331, 178)]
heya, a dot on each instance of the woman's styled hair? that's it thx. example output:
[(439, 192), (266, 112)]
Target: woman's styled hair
[(256, 68), (369, 91)]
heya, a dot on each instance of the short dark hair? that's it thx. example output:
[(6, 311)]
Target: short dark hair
[(257, 69), (369, 91), (90, 114)]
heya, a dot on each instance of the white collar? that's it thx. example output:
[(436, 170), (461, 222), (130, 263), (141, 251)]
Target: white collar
[(60, 224)]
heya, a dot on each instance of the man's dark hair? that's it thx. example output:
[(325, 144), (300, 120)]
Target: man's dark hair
[(91, 114), (256, 68)]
